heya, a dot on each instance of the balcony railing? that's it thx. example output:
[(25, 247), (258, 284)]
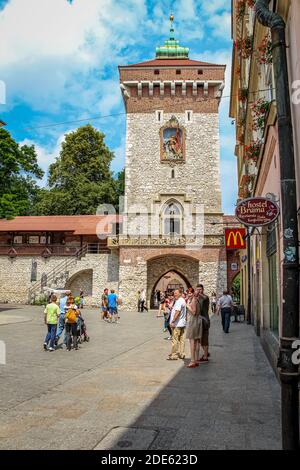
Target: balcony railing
[(50, 250)]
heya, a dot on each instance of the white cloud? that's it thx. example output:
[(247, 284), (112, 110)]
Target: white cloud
[(52, 47), (221, 25), (213, 6), (186, 9)]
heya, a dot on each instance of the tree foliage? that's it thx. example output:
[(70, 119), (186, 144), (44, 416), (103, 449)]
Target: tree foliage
[(80, 179), (18, 173)]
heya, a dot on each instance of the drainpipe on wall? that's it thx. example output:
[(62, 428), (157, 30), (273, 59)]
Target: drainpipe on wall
[(288, 372)]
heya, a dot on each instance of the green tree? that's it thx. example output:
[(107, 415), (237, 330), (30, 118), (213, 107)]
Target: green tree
[(80, 179), (236, 288), (120, 187), (18, 173)]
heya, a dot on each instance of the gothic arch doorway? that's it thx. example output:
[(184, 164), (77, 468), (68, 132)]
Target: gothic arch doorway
[(168, 282)]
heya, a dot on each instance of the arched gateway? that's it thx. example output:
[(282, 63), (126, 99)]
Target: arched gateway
[(184, 269)]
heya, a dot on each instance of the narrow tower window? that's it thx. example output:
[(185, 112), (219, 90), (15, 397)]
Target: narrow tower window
[(173, 174), (159, 116), (189, 116)]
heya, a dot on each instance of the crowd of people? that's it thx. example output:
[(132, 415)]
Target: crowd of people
[(64, 315), (186, 316), (185, 313)]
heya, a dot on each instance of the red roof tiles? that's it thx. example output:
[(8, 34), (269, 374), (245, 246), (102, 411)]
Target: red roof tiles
[(77, 224)]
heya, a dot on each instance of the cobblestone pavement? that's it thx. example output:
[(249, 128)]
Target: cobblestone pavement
[(119, 392)]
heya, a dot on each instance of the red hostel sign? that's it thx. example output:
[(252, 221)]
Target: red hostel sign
[(235, 238), (257, 211)]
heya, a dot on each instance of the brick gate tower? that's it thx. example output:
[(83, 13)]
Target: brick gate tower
[(172, 173)]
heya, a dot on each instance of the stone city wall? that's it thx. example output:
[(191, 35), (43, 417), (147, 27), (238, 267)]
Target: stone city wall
[(92, 273)]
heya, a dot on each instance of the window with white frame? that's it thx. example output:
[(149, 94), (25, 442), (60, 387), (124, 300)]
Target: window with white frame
[(172, 219)]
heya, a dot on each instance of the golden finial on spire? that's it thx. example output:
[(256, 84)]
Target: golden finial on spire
[(171, 17)]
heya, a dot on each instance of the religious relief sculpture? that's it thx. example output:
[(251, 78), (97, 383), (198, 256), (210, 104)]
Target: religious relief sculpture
[(172, 142)]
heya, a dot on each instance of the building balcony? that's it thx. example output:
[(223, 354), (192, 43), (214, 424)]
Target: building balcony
[(47, 251)]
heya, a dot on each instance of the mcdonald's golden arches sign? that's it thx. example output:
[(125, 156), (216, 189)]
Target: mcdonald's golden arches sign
[(235, 238)]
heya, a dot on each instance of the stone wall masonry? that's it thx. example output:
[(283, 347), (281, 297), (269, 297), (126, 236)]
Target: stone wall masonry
[(198, 177), (132, 280), (15, 275), (134, 254), (213, 275)]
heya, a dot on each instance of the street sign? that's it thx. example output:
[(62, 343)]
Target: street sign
[(257, 211), (235, 238)]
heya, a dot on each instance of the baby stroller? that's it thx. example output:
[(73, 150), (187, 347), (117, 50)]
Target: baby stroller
[(81, 330)]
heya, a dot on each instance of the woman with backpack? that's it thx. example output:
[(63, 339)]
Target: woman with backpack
[(71, 317)]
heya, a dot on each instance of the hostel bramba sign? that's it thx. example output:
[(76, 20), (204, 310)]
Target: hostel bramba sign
[(257, 211), (235, 238)]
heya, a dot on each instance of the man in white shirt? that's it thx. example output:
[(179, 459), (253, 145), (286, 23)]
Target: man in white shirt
[(178, 324), (225, 305)]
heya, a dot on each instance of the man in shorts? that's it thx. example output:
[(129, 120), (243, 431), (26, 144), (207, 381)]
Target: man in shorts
[(104, 305), (112, 300)]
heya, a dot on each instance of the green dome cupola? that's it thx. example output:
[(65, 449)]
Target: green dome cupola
[(172, 49)]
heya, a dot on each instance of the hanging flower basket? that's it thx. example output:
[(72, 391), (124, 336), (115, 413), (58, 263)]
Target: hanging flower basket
[(265, 54), (251, 151), (260, 110)]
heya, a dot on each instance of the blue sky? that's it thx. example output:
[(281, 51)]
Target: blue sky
[(60, 63)]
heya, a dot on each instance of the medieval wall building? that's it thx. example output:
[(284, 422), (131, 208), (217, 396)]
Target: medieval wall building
[(172, 219)]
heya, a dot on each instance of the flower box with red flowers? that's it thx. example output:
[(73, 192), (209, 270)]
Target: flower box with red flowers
[(260, 110), (252, 151), (265, 54)]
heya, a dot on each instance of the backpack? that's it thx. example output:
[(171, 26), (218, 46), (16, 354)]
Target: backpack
[(71, 316)]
